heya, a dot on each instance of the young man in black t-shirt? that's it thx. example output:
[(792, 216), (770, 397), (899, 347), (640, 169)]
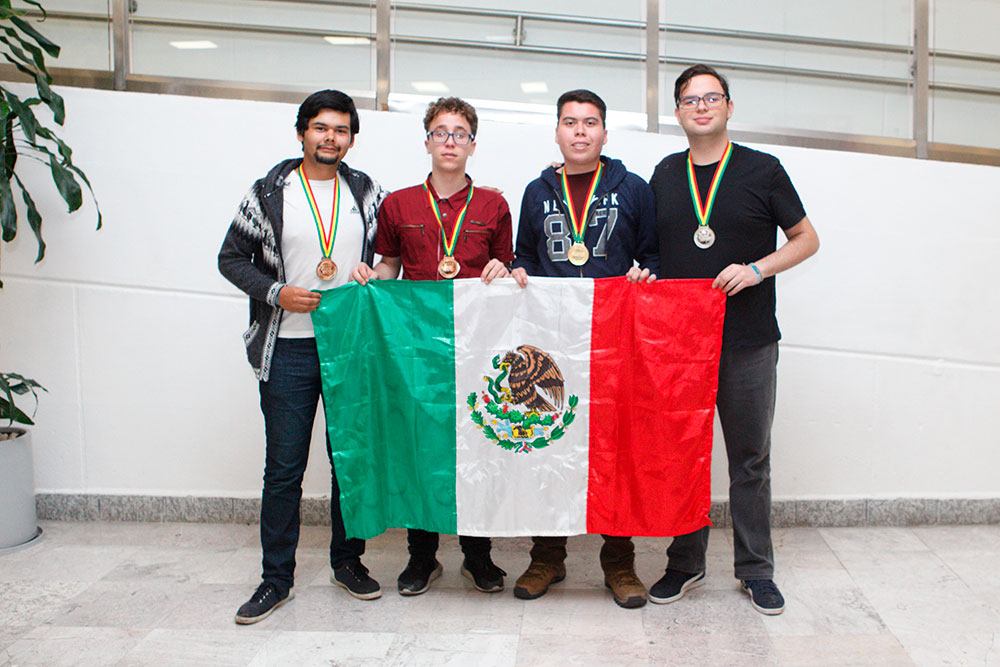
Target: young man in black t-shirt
[(718, 208)]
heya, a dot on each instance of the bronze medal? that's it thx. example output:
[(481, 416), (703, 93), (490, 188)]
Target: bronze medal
[(326, 269), (449, 267), (578, 254), (704, 237)]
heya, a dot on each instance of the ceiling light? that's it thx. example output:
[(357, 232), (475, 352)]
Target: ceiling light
[(346, 41), (531, 87), (194, 44), (433, 87)]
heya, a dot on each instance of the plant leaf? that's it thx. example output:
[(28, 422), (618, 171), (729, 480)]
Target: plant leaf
[(50, 47), (29, 124), (34, 218), (8, 213), (69, 189)]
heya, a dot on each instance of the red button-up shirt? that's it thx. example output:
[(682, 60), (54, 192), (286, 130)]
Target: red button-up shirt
[(407, 229)]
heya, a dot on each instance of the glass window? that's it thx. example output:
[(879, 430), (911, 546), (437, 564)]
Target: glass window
[(81, 28)]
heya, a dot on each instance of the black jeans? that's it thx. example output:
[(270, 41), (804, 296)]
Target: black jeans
[(748, 380), (424, 544), (288, 400)]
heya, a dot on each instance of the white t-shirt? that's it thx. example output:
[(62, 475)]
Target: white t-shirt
[(301, 248)]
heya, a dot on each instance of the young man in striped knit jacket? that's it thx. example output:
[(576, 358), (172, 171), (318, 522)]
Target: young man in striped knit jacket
[(299, 228)]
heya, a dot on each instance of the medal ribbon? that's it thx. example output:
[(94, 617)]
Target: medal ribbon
[(449, 244), (574, 222), (705, 212), (325, 237)]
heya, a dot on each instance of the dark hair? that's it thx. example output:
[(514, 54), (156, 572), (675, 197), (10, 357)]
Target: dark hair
[(327, 99), (698, 70), (452, 105), (584, 97)]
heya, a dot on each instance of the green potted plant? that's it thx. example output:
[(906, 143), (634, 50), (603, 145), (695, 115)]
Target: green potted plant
[(24, 136), (18, 519)]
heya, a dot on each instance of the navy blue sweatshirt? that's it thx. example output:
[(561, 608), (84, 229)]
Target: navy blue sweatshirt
[(621, 227)]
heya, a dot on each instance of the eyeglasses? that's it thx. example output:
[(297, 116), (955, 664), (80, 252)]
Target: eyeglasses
[(712, 101), (441, 137)]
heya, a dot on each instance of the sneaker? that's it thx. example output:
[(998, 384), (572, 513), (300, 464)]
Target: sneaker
[(265, 599), (535, 581), (626, 587), (764, 596), (485, 575), (418, 575), (673, 585), (353, 577)]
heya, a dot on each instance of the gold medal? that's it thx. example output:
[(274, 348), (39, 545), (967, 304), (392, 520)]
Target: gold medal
[(449, 267), (704, 237), (578, 254), (326, 269)]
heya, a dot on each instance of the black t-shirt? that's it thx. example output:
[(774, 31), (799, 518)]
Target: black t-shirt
[(754, 198)]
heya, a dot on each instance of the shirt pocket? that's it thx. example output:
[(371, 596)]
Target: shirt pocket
[(476, 243)]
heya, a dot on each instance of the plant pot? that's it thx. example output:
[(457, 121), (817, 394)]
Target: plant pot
[(18, 519)]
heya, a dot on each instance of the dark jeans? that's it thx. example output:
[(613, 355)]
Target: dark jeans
[(618, 553), (288, 400), (424, 544), (748, 381)]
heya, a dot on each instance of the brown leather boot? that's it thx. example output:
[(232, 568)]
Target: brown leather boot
[(626, 587), (538, 577)]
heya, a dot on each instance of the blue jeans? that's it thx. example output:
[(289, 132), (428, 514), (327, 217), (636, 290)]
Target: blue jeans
[(748, 380), (288, 400)]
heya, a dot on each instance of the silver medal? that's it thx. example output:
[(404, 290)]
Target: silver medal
[(704, 237)]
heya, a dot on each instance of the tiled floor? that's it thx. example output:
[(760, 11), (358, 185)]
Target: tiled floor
[(165, 594)]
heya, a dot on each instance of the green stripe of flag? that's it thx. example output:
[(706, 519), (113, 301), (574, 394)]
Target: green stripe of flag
[(386, 478)]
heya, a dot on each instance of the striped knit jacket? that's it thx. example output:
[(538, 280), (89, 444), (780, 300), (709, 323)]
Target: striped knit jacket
[(250, 257)]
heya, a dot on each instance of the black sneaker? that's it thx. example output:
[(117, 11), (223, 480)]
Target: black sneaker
[(673, 585), (418, 575), (764, 596), (353, 576), (485, 575), (265, 599)]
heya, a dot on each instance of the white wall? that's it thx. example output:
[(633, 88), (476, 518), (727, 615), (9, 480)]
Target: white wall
[(890, 365)]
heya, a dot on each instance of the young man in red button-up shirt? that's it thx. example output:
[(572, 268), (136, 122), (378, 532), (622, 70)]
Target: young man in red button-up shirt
[(441, 229)]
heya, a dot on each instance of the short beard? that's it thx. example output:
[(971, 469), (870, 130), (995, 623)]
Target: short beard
[(323, 159)]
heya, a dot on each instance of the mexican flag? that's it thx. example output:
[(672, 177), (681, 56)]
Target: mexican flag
[(570, 406)]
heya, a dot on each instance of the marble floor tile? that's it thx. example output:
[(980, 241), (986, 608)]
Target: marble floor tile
[(168, 565), (943, 539), (704, 612), (51, 646), (165, 594), (50, 562), (840, 650), (933, 647), (30, 603), (597, 651), (195, 648), (132, 604), (322, 649), (448, 649), (823, 602), (872, 540), (719, 647), (213, 607), (462, 611), (915, 592), (576, 614), (329, 608)]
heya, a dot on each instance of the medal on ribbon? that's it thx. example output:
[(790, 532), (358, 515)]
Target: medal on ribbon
[(327, 268), (704, 237), (448, 267), (578, 253)]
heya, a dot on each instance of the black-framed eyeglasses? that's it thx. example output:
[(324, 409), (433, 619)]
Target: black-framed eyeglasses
[(711, 100), (441, 137)]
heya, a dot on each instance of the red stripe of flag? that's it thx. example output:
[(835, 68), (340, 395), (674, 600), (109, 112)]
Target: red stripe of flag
[(653, 381)]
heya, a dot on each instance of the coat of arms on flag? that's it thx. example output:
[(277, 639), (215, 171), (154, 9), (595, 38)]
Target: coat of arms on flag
[(530, 411), (567, 407)]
